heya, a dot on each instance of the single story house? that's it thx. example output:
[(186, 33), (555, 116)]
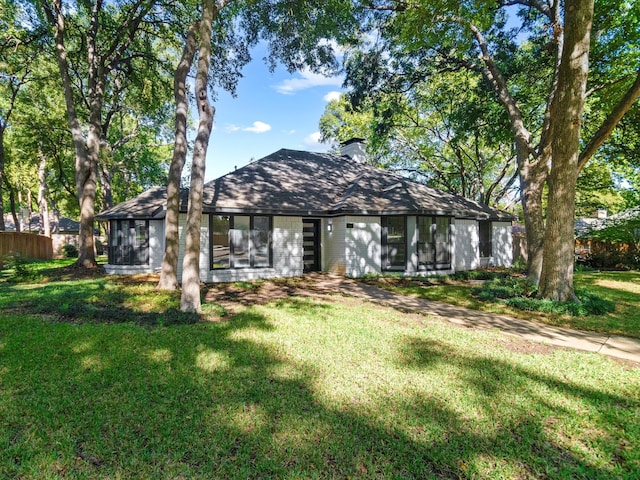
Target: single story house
[(293, 212)]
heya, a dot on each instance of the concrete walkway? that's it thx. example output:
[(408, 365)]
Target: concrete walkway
[(612, 345)]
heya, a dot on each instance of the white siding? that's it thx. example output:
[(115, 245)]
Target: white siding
[(363, 254), (466, 245), (287, 255), (502, 244), (333, 245), (156, 244)]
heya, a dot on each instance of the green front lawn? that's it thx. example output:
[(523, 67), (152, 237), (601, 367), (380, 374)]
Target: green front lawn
[(622, 288), (293, 388)]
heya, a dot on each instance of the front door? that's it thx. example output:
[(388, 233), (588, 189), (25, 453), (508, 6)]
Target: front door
[(311, 245)]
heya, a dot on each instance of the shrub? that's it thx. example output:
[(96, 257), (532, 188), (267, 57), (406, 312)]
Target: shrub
[(518, 293), (504, 288), (613, 260), (590, 304), (478, 275), (21, 266), (70, 250)]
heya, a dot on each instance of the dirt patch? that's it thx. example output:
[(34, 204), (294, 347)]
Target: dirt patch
[(72, 272), (235, 296), (525, 347)]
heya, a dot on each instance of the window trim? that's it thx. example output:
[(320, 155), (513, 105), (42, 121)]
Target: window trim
[(232, 246)]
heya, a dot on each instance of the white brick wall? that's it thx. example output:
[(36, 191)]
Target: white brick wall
[(362, 246), (156, 244), (502, 244), (333, 245), (467, 245)]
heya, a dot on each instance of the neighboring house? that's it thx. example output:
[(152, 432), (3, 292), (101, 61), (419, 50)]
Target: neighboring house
[(295, 211), (63, 230)]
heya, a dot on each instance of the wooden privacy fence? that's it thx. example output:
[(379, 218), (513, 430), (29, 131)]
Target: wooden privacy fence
[(28, 244)]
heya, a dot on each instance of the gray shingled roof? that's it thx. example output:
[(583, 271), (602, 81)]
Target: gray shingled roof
[(149, 204), (291, 182), (58, 225)]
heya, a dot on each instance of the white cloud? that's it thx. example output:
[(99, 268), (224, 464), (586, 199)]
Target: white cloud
[(332, 95), (256, 127), (313, 141), (337, 49), (306, 79)]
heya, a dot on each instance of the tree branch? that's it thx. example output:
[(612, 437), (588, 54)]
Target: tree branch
[(607, 127)]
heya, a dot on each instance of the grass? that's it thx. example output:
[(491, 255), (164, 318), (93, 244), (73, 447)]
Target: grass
[(295, 388), (621, 288)]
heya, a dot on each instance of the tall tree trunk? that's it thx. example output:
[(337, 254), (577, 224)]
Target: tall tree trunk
[(12, 205), (169, 273), (190, 299), (533, 176), (2, 225), (556, 281), (43, 193), (85, 174)]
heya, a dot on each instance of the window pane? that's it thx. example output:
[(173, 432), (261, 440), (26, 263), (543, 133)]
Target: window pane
[(241, 222), (221, 251), (115, 232), (396, 242), (442, 240), (140, 250), (261, 241), (426, 253), (424, 229), (484, 230), (240, 241)]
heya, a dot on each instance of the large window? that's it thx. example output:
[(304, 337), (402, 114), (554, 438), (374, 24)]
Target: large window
[(240, 241), (484, 230), (394, 243), (434, 243), (129, 242)]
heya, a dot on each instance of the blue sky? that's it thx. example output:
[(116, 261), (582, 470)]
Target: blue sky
[(269, 112)]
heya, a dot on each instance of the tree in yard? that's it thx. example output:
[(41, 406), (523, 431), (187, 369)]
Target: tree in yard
[(556, 280), (169, 272), (298, 34), (109, 37), (17, 55), (542, 91), (190, 298)]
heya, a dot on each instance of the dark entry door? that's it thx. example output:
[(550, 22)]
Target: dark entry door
[(311, 245)]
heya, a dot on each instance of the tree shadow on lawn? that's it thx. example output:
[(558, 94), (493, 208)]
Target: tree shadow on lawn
[(97, 299), (217, 400)]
